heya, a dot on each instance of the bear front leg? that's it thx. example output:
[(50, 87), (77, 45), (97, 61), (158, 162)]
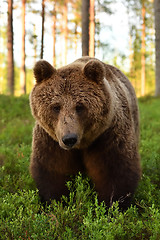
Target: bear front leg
[(51, 185), (114, 174)]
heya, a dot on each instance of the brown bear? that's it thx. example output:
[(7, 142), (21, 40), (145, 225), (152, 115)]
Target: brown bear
[(86, 121)]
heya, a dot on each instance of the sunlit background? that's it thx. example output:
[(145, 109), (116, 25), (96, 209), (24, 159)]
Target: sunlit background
[(118, 38)]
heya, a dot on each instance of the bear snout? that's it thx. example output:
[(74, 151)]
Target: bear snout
[(70, 140)]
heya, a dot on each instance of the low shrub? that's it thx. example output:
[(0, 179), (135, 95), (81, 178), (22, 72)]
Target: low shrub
[(79, 216)]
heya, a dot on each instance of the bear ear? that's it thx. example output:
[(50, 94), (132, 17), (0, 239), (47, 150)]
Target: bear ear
[(43, 70), (94, 70)]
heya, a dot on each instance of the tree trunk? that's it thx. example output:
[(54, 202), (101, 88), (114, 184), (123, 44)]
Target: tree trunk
[(23, 71), (65, 31), (42, 34), (143, 59), (54, 33), (85, 27), (130, 53), (157, 43), (76, 38), (92, 29), (35, 43), (10, 72)]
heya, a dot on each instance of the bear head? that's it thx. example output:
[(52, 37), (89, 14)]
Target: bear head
[(73, 104)]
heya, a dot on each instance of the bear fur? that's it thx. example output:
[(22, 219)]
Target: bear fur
[(87, 121)]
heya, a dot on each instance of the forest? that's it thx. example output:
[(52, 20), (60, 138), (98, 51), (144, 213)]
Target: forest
[(123, 33)]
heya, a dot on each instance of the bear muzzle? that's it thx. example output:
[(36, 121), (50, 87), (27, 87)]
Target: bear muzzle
[(69, 140)]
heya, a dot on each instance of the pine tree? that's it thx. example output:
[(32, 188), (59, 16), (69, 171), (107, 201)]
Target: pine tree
[(23, 71), (10, 48), (54, 32), (92, 29), (157, 41), (85, 27), (143, 48), (42, 33)]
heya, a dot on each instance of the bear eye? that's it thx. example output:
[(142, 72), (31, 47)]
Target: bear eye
[(80, 108), (56, 108)]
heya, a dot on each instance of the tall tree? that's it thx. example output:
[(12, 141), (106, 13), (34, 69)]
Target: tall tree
[(92, 29), (42, 33), (33, 40), (23, 71), (10, 48), (54, 32), (143, 46), (75, 31), (65, 30), (157, 42), (85, 27), (140, 15)]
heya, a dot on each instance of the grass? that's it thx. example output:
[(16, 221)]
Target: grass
[(79, 216)]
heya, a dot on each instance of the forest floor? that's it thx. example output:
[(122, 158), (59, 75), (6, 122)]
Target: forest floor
[(81, 217)]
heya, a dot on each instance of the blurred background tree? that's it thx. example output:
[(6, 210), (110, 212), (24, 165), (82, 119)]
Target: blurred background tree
[(10, 59), (157, 41), (63, 30), (23, 68)]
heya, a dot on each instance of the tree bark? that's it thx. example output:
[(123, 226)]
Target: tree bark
[(35, 43), (143, 59), (130, 53), (65, 30), (54, 33), (92, 29), (23, 70), (75, 38), (10, 72), (85, 27), (157, 45), (42, 33)]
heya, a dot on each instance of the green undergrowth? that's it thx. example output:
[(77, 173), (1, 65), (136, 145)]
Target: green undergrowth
[(79, 216)]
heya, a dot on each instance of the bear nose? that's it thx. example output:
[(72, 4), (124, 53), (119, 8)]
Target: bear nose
[(70, 139)]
